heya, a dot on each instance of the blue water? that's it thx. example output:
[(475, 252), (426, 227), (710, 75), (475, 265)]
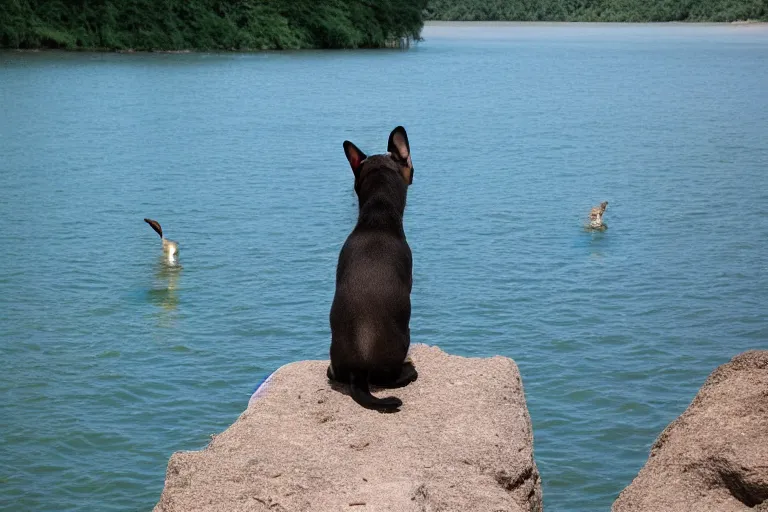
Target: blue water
[(109, 361)]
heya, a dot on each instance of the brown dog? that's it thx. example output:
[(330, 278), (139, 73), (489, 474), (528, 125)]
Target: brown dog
[(596, 217), (371, 309)]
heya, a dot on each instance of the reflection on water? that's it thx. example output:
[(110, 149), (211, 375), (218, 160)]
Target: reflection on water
[(596, 239), (164, 292)]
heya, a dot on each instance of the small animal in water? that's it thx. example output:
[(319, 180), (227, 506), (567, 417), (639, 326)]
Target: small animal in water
[(371, 310), (596, 217), (170, 248)]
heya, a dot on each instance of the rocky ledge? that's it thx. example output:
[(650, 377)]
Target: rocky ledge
[(714, 457), (461, 442)]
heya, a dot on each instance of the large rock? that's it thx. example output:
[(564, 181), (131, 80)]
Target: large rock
[(461, 442), (714, 457)]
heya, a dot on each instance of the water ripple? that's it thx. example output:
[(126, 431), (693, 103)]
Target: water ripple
[(109, 361)]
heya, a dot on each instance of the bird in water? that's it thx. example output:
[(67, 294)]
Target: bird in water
[(596, 217), (170, 248)]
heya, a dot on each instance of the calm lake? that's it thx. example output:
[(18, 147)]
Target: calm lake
[(109, 361)]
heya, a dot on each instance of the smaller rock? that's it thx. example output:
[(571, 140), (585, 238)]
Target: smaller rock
[(714, 457)]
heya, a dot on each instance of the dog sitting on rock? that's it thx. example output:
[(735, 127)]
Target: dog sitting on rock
[(371, 309)]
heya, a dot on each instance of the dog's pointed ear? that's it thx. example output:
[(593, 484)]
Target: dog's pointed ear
[(401, 151), (355, 157)]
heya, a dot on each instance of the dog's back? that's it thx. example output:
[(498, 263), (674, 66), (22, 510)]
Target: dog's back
[(372, 306)]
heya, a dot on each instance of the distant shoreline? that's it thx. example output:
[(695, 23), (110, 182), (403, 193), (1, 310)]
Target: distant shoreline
[(502, 24), (558, 29)]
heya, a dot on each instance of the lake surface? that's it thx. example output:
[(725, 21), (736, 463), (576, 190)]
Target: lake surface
[(109, 361)]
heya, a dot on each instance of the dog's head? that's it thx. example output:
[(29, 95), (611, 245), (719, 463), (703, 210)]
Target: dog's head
[(397, 158)]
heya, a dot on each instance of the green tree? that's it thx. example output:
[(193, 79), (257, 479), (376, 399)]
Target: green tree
[(207, 24)]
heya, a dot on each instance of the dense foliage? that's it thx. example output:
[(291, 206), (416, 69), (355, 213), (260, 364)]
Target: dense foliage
[(208, 24), (597, 10), (283, 24)]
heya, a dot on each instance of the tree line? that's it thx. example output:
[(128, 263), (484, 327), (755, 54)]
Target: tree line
[(208, 24)]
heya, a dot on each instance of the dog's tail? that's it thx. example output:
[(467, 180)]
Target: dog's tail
[(361, 393), (156, 226)]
